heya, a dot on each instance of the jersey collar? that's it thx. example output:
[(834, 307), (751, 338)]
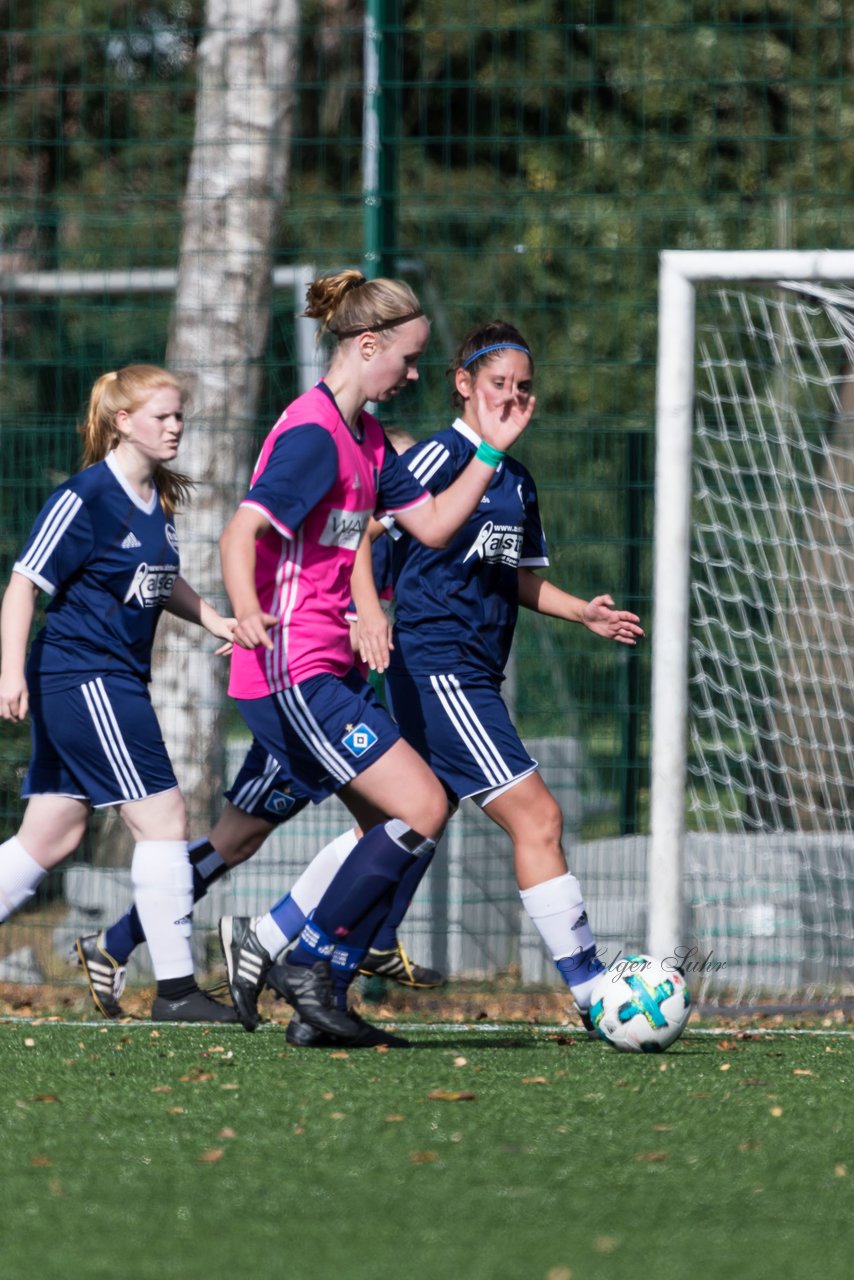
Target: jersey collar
[(467, 432), (137, 501)]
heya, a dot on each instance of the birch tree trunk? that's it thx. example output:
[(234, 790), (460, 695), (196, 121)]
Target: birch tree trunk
[(232, 207)]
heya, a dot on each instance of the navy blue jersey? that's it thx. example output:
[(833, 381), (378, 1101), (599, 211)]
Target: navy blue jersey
[(109, 561), (458, 605)]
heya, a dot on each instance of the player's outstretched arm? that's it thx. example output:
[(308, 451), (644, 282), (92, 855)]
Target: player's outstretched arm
[(16, 618), (435, 522), (187, 604), (373, 632), (598, 614)]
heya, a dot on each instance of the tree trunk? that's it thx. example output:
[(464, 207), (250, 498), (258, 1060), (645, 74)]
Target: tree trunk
[(232, 207)]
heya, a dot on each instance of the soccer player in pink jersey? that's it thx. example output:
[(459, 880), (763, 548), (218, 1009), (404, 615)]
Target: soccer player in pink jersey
[(287, 555)]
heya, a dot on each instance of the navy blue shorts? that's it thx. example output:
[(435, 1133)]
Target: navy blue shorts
[(99, 742), (328, 729), (459, 724), (264, 789)]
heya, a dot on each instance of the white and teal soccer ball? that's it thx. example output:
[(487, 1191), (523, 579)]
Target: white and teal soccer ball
[(640, 1005)]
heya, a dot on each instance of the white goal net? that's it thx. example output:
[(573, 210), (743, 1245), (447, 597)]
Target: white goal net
[(753, 689)]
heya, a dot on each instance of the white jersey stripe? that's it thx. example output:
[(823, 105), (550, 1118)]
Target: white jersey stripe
[(252, 790), (425, 465), (282, 605), (470, 729), (111, 740), (303, 722), (55, 524)]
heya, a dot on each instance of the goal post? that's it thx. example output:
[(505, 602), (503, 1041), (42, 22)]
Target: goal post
[(753, 612)]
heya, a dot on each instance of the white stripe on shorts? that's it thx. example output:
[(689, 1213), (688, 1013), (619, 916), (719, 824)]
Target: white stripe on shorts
[(115, 747), (252, 791), (471, 731), (306, 727)]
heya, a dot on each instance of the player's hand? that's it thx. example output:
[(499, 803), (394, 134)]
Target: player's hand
[(223, 629), (502, 424), (14, 698), (253, 630), (601, 617), (373, 640)]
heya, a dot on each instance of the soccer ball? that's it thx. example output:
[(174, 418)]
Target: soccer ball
[(640, 1005)]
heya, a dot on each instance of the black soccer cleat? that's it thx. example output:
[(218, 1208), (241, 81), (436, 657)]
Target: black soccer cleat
[(247, 963), (310, 992), (587, 1023), (302, 1036), (396, 966), (106, 977), (198, 1006)]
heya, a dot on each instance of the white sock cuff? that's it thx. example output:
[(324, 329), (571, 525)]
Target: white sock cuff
[(20, 875), (162, 864), (321, 871), (552, 896), (163, 891)]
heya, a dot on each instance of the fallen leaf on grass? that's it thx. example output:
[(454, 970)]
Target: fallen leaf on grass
[(423, 1157), (55, 1187), (226, 1133), (749, 1144), (174, 1111), (605, 1244), (394, 1119), (558, 1273), (45, 1097), (840, 1170), (339, 1053), (211, 1157), (29, 1043), (801, 1071), (162, 1088), (451, 1095), (41, 1162), (460, 1062), (534, 1080), (776, 1111), (196, 1076), (651, 1157), (662, 1128)]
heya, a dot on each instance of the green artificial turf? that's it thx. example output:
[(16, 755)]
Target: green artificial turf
[(131, 1152)]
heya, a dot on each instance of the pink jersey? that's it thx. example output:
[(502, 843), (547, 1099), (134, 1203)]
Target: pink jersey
[(304, 562)]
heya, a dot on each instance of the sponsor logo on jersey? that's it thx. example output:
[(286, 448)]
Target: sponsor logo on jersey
[(279, 803), (344, 529), (497, 544), (131, 541), (359, 740), (172, 537), (152, 585)]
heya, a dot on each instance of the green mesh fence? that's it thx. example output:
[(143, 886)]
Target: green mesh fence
[(535, 158)]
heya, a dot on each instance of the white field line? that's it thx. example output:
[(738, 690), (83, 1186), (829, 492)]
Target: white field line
[(500, 1028)]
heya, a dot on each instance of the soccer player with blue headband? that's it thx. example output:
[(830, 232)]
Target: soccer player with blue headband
[(456, 611)]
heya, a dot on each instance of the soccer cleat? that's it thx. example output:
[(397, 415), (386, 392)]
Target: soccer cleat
[(106, 977), (198, 1006), (310, 992), (587, 1023), (302, 1036), (396, 965), (247, 963)]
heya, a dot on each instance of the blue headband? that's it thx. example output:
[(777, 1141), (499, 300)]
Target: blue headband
[(498, 346)]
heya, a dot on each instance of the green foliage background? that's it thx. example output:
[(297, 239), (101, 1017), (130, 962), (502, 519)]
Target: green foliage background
[(546, 150)]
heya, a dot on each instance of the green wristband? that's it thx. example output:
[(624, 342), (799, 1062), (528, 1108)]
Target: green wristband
[(486, 453)]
